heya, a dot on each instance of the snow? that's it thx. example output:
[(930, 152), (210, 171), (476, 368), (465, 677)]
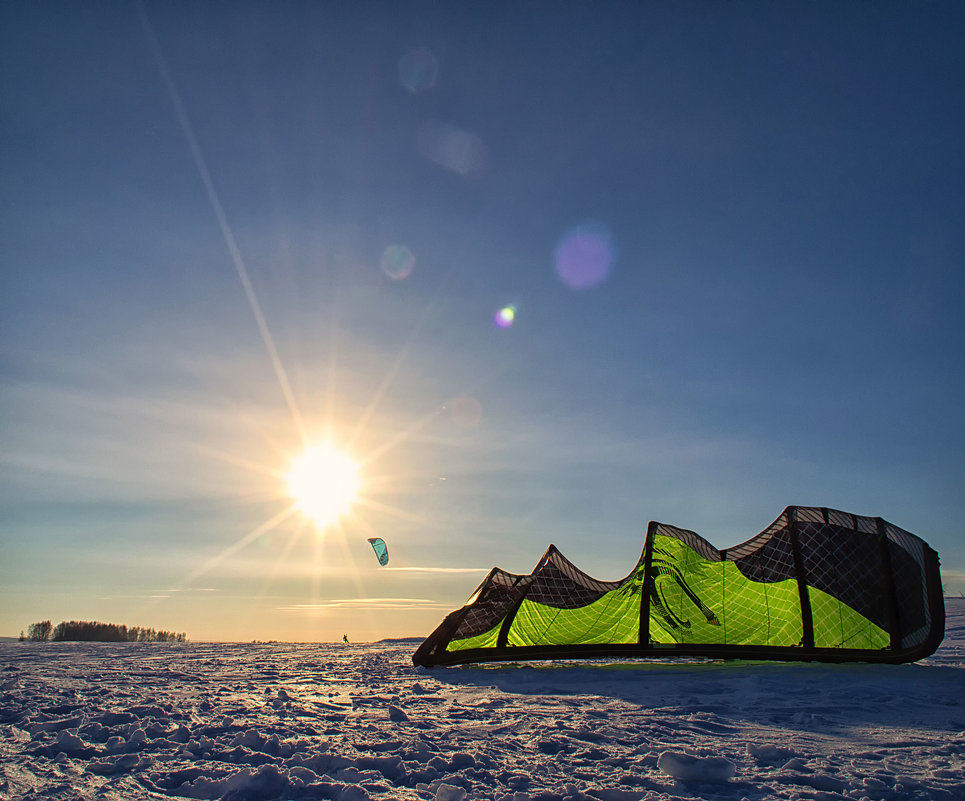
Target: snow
[(689, 768), (258, 722)]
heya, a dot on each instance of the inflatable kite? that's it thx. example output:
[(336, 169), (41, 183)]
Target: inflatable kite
[(381, 550), (815, 585)]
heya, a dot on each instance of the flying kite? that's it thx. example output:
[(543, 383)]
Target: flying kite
[(381, 550)]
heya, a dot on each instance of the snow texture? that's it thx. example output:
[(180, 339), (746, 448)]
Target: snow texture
[(689, 768), (267, 722)]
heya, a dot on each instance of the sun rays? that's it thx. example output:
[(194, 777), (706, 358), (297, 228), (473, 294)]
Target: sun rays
[(319, 496), (324, 483)]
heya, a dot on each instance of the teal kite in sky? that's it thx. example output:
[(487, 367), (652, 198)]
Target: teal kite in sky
[(381, 550)]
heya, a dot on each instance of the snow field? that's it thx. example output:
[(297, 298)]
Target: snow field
[(257, 722)]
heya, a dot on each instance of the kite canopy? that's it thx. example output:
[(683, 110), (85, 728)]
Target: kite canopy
[(816, 585), (381, 550)]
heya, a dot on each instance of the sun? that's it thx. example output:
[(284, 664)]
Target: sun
[(324, 483)]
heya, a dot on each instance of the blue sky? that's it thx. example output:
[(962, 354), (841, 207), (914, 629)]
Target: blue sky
[(732, 235)]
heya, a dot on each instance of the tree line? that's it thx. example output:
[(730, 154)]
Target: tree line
[(94, 631)]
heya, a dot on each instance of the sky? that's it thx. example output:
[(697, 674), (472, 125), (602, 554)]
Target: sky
[(545, 271)]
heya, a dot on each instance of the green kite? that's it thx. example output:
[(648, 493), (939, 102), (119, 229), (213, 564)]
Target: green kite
[(816, 585)]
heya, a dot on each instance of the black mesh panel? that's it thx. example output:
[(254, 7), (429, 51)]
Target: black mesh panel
[(772, 560), (498, 595), (559, 584)]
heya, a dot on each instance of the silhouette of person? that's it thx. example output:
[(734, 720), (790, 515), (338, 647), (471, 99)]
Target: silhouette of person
[(345, 638)]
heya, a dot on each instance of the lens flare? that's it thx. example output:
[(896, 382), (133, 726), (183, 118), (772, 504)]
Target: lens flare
[(584, 256), (418, 70), (460, 151), (466, 412), (505, 317), (397, 262)]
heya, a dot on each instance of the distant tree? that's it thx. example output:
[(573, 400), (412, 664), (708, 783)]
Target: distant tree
[(39, 632), (22, 638), (95, 631)]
